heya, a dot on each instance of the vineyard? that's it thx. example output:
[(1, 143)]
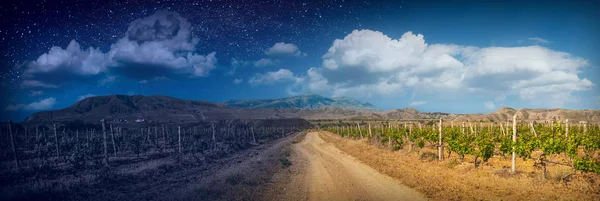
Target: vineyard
[(33, 154), (578, 144)]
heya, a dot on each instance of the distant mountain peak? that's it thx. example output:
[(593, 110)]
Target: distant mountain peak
[(307, 101)]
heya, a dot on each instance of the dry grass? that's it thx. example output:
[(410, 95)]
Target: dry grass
[(453, 179)]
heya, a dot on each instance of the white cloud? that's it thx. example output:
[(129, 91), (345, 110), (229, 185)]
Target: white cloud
[(237, 81), (157, 45), (369, 63), (161, 42), (274, 76), (417, 103), (489, 105), (36, 93), (107, 80), (283, 48), (158, 78), (538, 40), (85, 96), (35, 83), (43, 104), (264, 62), (72, 59)]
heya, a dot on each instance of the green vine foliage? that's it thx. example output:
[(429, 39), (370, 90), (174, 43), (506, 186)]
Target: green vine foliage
[(586, 164), (506, 145), (485, 146), (459, 143), (582, 146)]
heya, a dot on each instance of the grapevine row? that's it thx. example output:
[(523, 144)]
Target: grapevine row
[(579, 142)]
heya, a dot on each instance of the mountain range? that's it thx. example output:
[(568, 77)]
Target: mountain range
[(168, 109)]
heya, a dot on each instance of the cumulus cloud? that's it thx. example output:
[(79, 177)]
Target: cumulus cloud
[(36, 93), (66, 64), (274, 77), (417, 103), (283, 48), (489, 105), (85, 96), (160, 44), (538, 40), (237, 81), (157, 45), (367, 62), (43, 104)]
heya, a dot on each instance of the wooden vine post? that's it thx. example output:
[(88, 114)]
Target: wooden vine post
[(112, 136), (440, 146), (410, 143), (56, 142), (471, 127), (532, 129), (390, 134), (214, 139), (348, 131), (514, 138), (253, 136), (370, 134), (566, 128), (12, 143), (480, 127), (179, 139), (358, 126), (105, 161)]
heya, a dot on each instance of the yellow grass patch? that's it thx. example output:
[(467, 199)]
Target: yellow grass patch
[(453, 179)]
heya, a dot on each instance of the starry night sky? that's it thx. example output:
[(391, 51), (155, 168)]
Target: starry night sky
[(272, 49)]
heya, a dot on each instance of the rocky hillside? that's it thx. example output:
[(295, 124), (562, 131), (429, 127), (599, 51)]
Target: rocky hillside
[(151, 108), (542, 114), (304, 102), (123, 108)]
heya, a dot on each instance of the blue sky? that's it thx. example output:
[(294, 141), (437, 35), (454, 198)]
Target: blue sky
[(460, 56)]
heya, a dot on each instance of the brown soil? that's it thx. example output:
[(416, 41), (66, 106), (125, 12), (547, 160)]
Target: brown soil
[(322, 172), (455, 180)]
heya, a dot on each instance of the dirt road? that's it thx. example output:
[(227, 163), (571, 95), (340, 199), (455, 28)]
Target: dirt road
[(290, 168), (322, 172)]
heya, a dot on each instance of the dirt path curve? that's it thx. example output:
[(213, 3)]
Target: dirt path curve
[(329, 174)]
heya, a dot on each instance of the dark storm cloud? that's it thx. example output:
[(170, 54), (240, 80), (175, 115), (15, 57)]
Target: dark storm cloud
[(160, 45), (143, 30)]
